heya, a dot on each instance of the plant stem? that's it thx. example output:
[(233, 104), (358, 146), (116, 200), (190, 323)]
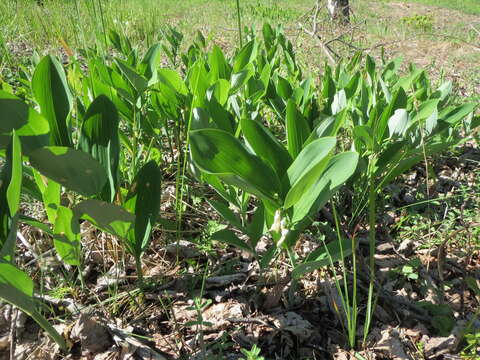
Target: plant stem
[(138, 266), (239, 23), (372, 219)]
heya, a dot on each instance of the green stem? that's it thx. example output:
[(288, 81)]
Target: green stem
[(239, 23), (138, 266), (372, 219)]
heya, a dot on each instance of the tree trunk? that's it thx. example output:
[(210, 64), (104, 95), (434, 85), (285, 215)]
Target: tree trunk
[(339, 10)]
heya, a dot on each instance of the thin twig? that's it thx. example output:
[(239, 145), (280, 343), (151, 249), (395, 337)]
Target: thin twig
[(325, 49), (474, 29), (13, 331)]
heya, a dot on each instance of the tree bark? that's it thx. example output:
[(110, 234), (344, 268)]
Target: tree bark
[(339, 10)]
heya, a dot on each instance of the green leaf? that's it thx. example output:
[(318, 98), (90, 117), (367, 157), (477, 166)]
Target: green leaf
[(36, 223), (240, 78), (67, 236), (220, 91), (364, 134), (298, 129), (397, 124), (409, 159), (7, 249), (144, 199), (15, 187), (398, 101), (266, 146), (173, 80), (17, 289), (229, 237), (443, 91), (453, 116), (50, 191), (74, 169), (137, 81), (10, 187), (106, 216), (246, 55), (284, 89), (338, 171), (16, 115), (51, 91), (320, 257), (198, 82), (307, 168), (255, 228), (219, 68), (425, 110), (99, 137), (219, 153), (151, 60), (339, 102), (226, 213)]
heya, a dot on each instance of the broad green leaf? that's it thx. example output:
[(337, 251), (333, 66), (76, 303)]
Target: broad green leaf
[(307, 168), (220, 91), (137, 81), (9, 190), (284, 89), (144, 199), (74, 169), (339, 102), (200, 119), (226, 213), (246, 56), (338, 171), (397, 124), (365, 135), (266, 146), (443, 91), (151, 61), (106, 216), (172, 79), (431, 122), (50, 191), (99, 137), (328, 127), (454, 115), (240, 78), (255, 228), (51, 91), (18, 116), (67, 236), (410, 159), (370, 66), (220, 116), (425, 110), (398, 101), (219, 68), (407, 81), (323, 256), (17, 289), (298, 129), (220, 153), (198, 82), (228, 237)]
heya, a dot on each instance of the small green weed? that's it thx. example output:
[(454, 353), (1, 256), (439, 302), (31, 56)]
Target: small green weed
[(272, 12), (253, 354), (420, 22)]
